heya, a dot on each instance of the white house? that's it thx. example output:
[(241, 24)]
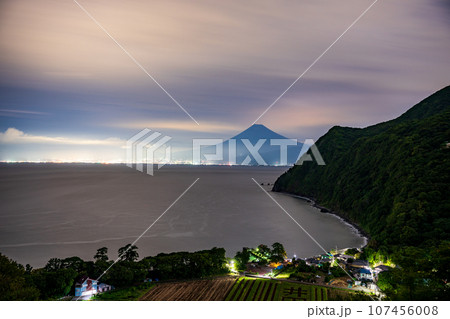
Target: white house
[(101, 287), (85, 286), (365, 273)]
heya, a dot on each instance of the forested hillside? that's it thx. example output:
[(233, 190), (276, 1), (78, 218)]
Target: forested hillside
[(392, 179)]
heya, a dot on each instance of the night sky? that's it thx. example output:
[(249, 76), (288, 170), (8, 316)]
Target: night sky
[(69, 93)]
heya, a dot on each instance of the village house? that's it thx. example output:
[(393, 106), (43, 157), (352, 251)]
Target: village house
[(325, 259), (102, 287), (312, 261), (365, 273), (345, 257), (358, 263), (85, 286), (381, 268)]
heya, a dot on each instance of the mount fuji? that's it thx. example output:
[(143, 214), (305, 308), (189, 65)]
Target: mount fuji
[(258, 145)]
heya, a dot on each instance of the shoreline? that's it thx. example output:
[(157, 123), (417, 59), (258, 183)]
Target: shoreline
[(355, 227)]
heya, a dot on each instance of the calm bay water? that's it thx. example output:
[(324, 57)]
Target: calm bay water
[(63, 210)]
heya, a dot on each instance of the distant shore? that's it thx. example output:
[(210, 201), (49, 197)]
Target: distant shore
[(325, 210)]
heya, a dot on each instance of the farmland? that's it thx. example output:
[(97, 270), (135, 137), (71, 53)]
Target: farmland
[(211, 289), (250, 289), (243, 289)]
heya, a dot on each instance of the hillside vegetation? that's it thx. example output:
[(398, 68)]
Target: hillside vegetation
[(392, 179)]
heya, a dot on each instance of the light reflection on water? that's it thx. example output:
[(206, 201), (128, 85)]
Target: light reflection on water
[(63, 210)]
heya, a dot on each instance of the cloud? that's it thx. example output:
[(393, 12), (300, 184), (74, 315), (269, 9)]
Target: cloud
[(186, 126), (20, 113), (224, 61), (182, 43), (15, 136)]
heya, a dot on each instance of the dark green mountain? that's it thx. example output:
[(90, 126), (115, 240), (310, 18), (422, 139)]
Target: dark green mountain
[(392, 179)]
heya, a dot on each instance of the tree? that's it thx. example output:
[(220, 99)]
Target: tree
[(102, 254), (302, 266), (60, 282), (387, 282), (120, 276), (53, 264), (326, 267), (278, 252), (182, 265), (264, 250), (13, 285), (28, 268), (128, 253), (52, 284), (337, 271), (75, 263), (351, 251), (393, 182), (219, 259), (242, 258)]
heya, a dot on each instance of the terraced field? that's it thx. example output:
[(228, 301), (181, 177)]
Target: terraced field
[(250, 289), (232, 289), (212, 290)]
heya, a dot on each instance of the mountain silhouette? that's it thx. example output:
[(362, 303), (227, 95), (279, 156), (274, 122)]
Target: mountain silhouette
[(258, 131), (258, 145)]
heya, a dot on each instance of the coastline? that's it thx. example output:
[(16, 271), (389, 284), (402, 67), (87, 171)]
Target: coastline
[(355, 227)]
